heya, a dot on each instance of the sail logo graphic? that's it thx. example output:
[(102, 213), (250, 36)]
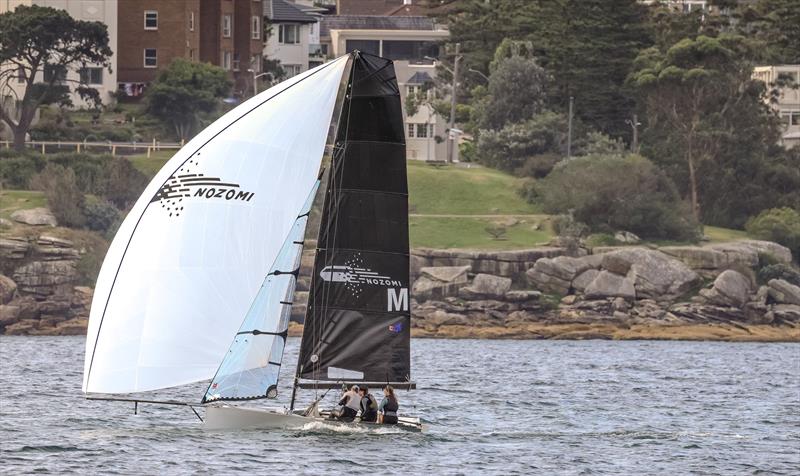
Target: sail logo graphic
[(197, 186), (350, 274)]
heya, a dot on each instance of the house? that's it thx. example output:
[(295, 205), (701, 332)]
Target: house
[(412, 42), (289, 32), (99, 78), (788, 101)]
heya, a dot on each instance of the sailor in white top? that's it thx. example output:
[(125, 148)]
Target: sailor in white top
[(351, 404)]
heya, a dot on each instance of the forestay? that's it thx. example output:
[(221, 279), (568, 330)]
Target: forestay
[(188, 260), (251, 366)]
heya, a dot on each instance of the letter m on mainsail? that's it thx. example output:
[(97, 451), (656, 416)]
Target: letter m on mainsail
[(397, 301)]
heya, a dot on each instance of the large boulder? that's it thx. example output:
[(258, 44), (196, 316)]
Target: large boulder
[(439, 282), (698, 257), (626, 237), (7, 289), (42, 277), (556, 274), (607, 284), (731, 288), (35, 216), (486, 286), (655, 274), (8, 315), (584, 279), (784, 292)]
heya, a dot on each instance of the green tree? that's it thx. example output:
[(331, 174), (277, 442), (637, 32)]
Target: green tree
[(517, 92), (778, 224), (33, 38), (616, 192), (691, 90), (537, 142), (775, 24), (185, 90)]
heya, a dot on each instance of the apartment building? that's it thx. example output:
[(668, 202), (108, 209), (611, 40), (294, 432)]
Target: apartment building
[(232, 38), (152, 33), (788, 104), (97, 77), (413, 43)]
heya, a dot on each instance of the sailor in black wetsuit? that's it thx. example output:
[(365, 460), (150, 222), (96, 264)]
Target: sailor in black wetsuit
[(388, 407), (369, 406)]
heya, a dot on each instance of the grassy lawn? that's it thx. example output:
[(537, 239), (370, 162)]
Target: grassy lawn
[(434, 232), (12, 200), (151, 165), (719, 235), (461, 191)]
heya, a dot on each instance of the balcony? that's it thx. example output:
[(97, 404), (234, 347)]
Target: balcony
[(317, 51)]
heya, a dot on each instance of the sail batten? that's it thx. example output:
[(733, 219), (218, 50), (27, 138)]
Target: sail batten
[(189, 258)]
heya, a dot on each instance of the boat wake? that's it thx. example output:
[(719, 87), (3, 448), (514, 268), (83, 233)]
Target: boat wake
[(325, 427)]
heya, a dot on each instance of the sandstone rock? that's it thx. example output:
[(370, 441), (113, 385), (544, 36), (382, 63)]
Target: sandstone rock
[(509, 264), (523, 296), (72, 327), (486, 285), (654, 274), (562, 267), (13, 248), (7, 289), (547, 283), (608, 284), (779, 252), (439, 282), (745, 252), (784, 292), (730, 288), (787, 313), (52, 248), (35, 216), (441, 318), (626, 237), (40, 277), (620, 304), (697, 257), (8, 315), (5, 223), (583, 279)]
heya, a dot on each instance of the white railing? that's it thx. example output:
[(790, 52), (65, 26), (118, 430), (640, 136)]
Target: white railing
[(126, 148)]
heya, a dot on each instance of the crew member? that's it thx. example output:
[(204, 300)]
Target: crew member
[(388, 407), (369, 406)]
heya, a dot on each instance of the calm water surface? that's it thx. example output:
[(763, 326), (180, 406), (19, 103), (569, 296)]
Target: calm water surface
[(491, 407)]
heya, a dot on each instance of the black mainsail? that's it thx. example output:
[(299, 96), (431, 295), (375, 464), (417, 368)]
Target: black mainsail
[(357, 325)]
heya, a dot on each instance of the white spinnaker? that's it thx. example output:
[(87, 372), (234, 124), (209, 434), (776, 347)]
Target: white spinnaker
[(182, 271)]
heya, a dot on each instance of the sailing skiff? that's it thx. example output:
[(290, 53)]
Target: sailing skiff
[(200, 279)]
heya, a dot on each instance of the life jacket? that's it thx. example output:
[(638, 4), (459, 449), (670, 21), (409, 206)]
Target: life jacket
[(391, 407), (369, 408)]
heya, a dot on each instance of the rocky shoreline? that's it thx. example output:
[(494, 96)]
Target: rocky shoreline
[(706, 292)]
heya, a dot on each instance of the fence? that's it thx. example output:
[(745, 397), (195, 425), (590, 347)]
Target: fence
[(123, 148)]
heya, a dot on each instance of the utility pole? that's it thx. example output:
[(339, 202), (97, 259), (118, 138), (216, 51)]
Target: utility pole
[(635, 127), (569, 127), (451, 136)]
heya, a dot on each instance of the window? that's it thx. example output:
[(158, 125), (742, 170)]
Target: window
[(255, 63), (291, 69), (226, 60), (413, 89), (191, 54), (150, 58), (191, 21), (91, 75), (236, 61), (55, 73), (372, 47), (790, 118), (255, 32), (412, 51), (289, 34), (422, 130), (226, 26), (411, 131), (150, 20)]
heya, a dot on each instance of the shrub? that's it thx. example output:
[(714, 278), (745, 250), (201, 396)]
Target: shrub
[(781, 225), (100, 214), (510, 147), (779, 271), (122, 183), (601, 239), (64, 198), (615, 192), (17, 169), (89, 169)]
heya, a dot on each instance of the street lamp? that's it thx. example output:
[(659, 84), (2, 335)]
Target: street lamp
[(471, 70), (255, 78)]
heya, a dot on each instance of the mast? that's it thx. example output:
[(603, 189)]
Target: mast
[(357, 325)]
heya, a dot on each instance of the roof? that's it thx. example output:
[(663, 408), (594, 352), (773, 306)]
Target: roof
[(285, 12), (391, 7), (420, 77), (370, 22)]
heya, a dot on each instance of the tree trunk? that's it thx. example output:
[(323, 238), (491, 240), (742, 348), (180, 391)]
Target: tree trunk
[(19, 138), (693, 187)]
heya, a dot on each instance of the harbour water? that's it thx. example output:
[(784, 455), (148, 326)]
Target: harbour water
[(490, 407)]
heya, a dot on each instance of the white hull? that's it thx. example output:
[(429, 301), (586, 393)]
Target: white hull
[(226, 417)]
